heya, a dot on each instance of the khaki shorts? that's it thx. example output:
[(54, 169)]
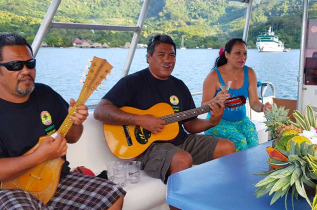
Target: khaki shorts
[(157, 159)]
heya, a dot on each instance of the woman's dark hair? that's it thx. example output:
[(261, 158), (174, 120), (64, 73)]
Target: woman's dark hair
[(10, 39), (157, 39), (222, 60)]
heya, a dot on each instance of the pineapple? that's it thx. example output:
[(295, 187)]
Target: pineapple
[(298, 140), (276, 117), (285, 130), (298, 171), (305, 121)]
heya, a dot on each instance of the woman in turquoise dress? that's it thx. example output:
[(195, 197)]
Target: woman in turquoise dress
[(230, 66)]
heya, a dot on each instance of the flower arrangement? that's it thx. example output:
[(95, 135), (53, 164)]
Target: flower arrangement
[(292, 157)]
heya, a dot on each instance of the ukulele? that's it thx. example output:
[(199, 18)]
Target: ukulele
[(129, 142), (42, 180)]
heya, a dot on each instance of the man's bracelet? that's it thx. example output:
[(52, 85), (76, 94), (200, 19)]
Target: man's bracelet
[(262, 107)]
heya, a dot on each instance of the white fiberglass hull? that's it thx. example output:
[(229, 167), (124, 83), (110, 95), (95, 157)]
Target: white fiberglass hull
[(269, 47)]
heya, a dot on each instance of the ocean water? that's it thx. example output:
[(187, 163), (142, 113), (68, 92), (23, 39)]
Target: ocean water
[(62, 69)]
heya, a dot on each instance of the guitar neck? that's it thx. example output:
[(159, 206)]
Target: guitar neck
[(67, 123), (230, 102), (185, 114)]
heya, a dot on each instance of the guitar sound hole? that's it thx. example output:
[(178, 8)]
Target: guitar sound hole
[(142, 135)]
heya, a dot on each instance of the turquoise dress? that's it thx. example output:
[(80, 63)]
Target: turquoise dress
[(235, 125)]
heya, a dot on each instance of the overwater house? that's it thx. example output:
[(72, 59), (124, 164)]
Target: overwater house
[(86, 44), (77, 41), (81, 43), (96, 45)]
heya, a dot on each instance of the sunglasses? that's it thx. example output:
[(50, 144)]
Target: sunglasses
[(18, 65)]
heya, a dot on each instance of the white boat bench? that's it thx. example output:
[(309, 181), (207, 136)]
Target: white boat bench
[(92, 152)]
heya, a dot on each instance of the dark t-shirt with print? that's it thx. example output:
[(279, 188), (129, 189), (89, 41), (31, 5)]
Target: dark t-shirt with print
[(22, 124)]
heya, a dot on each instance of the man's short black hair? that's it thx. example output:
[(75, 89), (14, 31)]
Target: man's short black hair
[(157, 39), (10, 39)]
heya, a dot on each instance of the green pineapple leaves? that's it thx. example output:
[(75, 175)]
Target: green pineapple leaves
[(299, 170), (276, 117), (305, 121)]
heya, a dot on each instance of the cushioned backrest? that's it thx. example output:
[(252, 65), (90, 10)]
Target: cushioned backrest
[(91, 150)]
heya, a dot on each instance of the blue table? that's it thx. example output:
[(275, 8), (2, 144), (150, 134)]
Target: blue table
[(226, 183)]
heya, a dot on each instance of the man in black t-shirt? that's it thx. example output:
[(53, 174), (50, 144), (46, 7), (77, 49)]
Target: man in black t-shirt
[(28, 111), (154, 85)]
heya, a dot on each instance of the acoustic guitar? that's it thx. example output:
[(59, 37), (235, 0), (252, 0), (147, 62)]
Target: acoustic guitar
[(42, 180), (129, 142)]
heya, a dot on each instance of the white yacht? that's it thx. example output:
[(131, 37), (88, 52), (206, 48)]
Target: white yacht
[(268, 42)]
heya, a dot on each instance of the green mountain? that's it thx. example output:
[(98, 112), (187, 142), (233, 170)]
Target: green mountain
[(204, 23)]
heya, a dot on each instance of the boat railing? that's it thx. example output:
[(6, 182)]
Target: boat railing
[(197, 93), (261, 93), (48, 23), (263, 88), (49, 16)]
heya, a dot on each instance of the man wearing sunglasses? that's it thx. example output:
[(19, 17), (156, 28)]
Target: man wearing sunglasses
[(154, 85), (28, 111)]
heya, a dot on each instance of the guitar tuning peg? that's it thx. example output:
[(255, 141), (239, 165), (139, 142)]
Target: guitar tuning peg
[(84, 74), (89, 60), (101, 84), (81, 81), (110, 73), (86, 67)]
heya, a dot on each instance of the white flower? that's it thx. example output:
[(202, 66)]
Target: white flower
[(311, 135)]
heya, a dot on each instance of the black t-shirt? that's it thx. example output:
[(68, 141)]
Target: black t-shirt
[(22, 124), (141, 90)]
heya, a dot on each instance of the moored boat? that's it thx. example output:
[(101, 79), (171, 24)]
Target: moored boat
[(269, 42)]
